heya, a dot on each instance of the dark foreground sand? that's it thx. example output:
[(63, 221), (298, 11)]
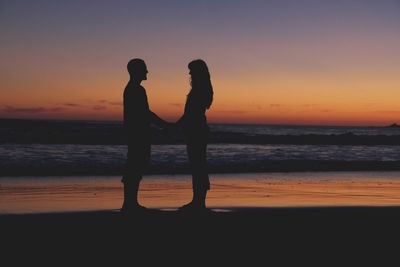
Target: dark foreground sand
[(234, 235)]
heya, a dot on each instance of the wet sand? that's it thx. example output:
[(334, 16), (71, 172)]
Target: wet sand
[(334, 215), (168, 192)]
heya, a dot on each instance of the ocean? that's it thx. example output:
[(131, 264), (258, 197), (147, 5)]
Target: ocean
[(45, 147)]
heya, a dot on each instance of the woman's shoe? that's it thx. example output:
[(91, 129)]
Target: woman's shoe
[(193, 207), (134, 208)]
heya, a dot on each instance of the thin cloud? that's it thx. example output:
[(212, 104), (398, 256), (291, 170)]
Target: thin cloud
[(178, 105), (309, 105), (113, 103), (56, 109), (12, 109), (275, 105), (387, 111), (99, 107), (233, 111), (71, 105)]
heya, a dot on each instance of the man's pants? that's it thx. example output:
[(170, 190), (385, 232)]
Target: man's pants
[(138, 161)]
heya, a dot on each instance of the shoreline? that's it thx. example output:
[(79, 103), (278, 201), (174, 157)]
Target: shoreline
[(217, 212), (30, 194)]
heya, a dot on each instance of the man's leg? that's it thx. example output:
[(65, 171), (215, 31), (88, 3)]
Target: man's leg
[(138, 158)]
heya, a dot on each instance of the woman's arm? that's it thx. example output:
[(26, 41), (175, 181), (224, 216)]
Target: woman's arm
[(180, 122), (153, 118)]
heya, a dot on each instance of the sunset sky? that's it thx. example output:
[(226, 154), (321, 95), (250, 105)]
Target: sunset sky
[(279, 62)]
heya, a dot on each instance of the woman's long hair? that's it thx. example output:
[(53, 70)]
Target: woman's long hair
[(201, 82)]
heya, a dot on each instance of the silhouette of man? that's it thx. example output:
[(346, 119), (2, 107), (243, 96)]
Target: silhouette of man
[(137, 120)]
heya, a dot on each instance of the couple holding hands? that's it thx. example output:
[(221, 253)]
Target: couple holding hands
[(138, 118)]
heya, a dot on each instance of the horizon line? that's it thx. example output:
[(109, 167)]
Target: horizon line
[(232, 123)]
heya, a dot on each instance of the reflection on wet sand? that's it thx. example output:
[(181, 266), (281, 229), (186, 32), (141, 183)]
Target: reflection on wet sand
[(59, 194)]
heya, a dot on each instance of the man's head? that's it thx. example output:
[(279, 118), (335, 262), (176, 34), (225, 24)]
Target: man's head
[(137, 69)]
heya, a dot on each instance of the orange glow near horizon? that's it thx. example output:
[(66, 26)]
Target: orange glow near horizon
[(269, 101)]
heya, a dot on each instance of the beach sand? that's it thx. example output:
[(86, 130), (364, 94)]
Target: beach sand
[(245, 236), (253, 217)]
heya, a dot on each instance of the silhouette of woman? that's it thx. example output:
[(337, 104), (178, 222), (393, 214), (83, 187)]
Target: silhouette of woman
[(195, 128)]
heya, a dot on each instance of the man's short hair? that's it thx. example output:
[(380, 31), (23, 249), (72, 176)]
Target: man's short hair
[(135, 65)]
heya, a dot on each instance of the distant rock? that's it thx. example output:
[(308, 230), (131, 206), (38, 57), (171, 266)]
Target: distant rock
[(394, 125)]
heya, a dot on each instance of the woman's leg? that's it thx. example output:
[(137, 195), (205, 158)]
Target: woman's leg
[(198, 162), (200, 181)]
